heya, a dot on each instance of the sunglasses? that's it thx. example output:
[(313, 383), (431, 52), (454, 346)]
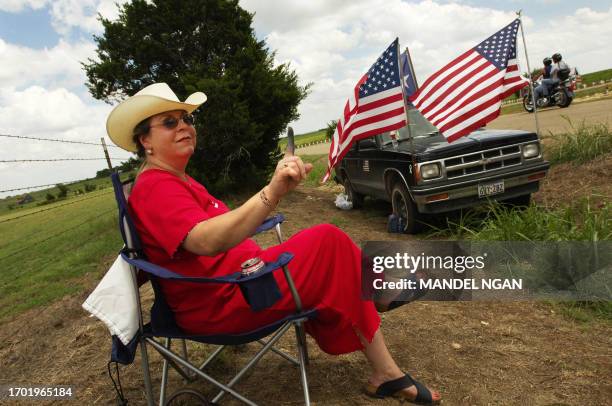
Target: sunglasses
[(171, 122)]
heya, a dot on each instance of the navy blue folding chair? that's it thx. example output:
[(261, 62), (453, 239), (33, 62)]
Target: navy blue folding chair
[(260, 291)]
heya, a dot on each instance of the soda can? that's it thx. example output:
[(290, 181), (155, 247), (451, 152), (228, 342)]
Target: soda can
[(252, 266)]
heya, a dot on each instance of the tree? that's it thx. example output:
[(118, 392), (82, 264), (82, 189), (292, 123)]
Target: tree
[(209, 46), (330, 129)]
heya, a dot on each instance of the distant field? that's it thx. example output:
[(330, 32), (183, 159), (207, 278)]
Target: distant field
[(302, 139), (595, 77), (40, 195)]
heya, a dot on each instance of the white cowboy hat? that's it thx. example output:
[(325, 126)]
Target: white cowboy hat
[(151, 100)]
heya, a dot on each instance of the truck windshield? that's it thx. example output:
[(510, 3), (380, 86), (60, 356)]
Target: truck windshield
[(419, 127)]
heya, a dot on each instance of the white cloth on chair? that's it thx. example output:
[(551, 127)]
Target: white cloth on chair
[(114, 301)]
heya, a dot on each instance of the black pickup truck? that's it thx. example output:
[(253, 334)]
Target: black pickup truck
[(418, 171)]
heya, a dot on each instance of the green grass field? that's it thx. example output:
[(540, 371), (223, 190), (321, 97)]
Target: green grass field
[(596, 77), (44, 253), (9, 204), (302, 139)]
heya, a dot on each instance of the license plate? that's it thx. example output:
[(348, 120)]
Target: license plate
[(491, 189)]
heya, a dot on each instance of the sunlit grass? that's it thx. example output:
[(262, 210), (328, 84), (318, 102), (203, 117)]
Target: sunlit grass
[(582, 144)]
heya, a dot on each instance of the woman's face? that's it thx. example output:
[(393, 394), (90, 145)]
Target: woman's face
[(170, 137)]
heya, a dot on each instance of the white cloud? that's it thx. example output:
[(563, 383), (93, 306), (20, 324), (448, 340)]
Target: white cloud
[(82, 14), (16, 6), (582, 38), (67, 15), (57, 66)]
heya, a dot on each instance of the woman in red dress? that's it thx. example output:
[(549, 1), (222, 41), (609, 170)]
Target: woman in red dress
[(185, 229)]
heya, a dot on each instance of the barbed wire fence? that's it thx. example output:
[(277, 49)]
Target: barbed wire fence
[(17, 218)]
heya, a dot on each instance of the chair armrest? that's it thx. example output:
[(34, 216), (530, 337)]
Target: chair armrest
[(282, 260), (270, 223), (260, 289)]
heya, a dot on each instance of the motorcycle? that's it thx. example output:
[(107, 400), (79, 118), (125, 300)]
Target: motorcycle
[(560, 95)]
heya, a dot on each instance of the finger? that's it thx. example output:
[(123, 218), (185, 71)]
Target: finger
[(308, 168), (290, 149), (293, 170), (300, 165)]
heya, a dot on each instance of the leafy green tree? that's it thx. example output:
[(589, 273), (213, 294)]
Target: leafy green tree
[(209, 46), (330, 129)]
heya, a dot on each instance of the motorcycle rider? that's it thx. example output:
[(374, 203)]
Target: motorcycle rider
[(543, 88), (559, 67)]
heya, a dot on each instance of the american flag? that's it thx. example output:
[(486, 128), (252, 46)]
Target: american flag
[(376, 106), (467, 93)]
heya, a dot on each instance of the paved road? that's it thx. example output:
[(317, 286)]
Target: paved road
[(550, 120)]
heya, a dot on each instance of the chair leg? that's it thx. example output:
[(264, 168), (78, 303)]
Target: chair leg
[(301, 332), (281, 353), (212, 357), (186, 357), (164, 378), (180, 361), (279, 333), (303, 356), (146, 372)]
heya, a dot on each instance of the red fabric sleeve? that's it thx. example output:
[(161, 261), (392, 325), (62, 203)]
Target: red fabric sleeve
[(168, 209)]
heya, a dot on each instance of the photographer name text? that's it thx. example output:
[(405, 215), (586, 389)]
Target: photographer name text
[(444, 284)]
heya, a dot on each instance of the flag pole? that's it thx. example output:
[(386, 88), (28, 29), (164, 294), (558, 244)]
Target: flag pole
[(533, 100), (399, 68)]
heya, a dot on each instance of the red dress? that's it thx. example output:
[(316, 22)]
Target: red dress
[(326, 269)]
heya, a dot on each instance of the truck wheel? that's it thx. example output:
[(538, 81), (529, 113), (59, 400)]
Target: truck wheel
[(352, 196), (404, 207)]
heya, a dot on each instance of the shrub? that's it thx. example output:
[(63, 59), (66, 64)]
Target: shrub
[(63, 190), (89, 187)]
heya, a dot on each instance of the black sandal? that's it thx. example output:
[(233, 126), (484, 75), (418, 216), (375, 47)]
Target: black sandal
[(405, 296), (395, 389)]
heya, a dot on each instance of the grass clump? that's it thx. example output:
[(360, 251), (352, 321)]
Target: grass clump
[(582, 144), (499, 222), (319, 163), (582, 222)]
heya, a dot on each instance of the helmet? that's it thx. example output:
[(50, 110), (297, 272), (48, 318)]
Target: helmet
[(556, 57), (547, 61)]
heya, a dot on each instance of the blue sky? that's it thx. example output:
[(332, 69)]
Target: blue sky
[(330, 43), (30, 28)]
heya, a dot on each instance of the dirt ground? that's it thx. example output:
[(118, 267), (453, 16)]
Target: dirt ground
[(475, 353)]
